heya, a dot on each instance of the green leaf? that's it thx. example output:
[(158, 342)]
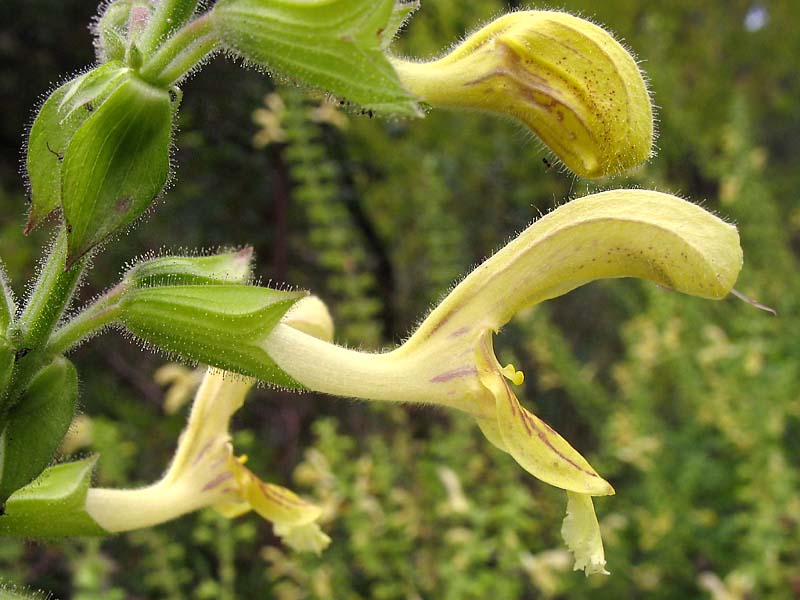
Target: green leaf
[(331, 44), (67, 108), (227, 267), (36, 425), (220, 325), (53, 505), (116, 164)]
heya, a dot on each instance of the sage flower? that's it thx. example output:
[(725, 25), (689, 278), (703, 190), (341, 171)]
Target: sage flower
[(577, 88), (205, 472), (450, 360)]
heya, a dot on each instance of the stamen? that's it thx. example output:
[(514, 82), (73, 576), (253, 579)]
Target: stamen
[(514, 376)]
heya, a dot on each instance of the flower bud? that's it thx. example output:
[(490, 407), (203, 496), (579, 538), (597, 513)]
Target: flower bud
[(116, 164), (110, 30), (227, 267), (59, 118), (219, 325), (567, 79)]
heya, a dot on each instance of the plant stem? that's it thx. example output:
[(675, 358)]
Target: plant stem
[(8, 306), (181, 53), (50, 297), (167, 18), (100, 313)]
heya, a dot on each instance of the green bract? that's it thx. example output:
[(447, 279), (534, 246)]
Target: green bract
[(35, 426), (116, 164), (223, 326), (228, 267), (332, 44), (53, 505)]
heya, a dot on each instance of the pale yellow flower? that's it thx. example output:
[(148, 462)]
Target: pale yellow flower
[(450, 359), (205, 472), (567, 79)]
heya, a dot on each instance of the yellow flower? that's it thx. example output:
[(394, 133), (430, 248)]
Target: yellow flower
[(567, 79), (450, 360), (205, 472)]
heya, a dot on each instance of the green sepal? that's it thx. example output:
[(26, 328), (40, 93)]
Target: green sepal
[(62, 114), (401, 13), (36, 424), (224, 268), (116, 164), (334, 45), (54, 505), (219, 325)]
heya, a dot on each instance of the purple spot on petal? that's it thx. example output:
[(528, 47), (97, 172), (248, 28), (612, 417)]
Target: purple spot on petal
[(220, 478), (448, 375)]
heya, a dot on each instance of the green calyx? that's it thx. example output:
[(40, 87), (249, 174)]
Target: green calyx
[(335, 45), (116, 164), (225, 268), (59, 118), (99, 152), (54, 505), (220, 325)]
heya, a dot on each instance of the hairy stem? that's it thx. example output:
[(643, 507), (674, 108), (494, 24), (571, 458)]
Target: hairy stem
[(181, 53), (8, 306), (167, 18), (51, 295), (102, 312)]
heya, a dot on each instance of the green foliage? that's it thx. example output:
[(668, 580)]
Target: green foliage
[(227, 267)]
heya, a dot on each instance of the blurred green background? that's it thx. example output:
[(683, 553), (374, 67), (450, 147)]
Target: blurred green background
[(690, 408)]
